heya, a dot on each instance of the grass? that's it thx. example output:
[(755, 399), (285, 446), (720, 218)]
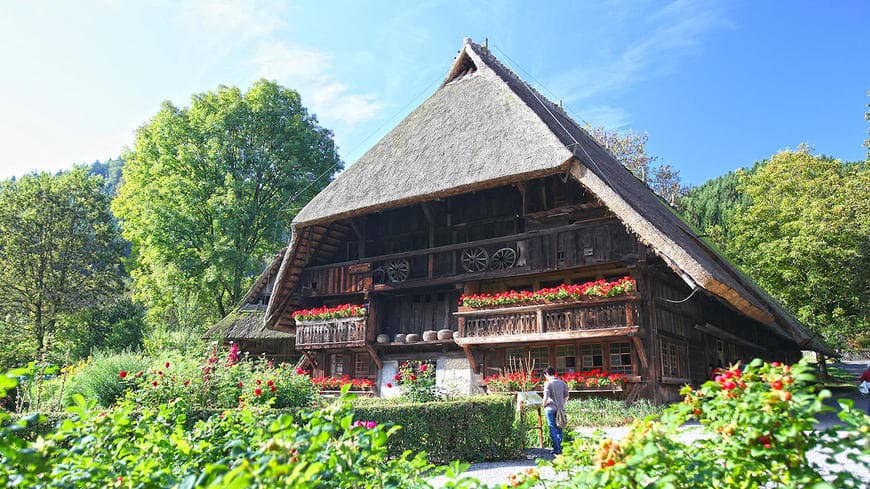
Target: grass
[(592, 412)]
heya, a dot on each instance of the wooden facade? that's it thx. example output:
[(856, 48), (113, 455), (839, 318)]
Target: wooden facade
[(489, 187), (426, 263)]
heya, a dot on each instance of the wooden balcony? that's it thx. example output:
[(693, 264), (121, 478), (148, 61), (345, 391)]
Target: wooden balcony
[(559, 321), (571, 246), (331, 333)]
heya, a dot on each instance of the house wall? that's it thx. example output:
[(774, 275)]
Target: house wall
[(682, 352)]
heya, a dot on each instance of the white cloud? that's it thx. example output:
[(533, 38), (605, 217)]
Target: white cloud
[(668, 35), (607, 116), (309, 71), (259, 31)]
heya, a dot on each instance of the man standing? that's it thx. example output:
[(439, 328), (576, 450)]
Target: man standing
[(555, 396)]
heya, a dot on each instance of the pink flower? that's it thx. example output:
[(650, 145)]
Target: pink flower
[(424, 367), (397, 377), (122, 374), (272, 388), (154, 383), (166, 365), (186, 382), (389, 385), (241, 384), (258, 391)]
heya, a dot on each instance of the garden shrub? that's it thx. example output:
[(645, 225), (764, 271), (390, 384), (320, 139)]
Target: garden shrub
[(472, 429), (756, 430), (98, 378), (154, 447)]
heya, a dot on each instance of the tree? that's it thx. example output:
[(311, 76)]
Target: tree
[(630, 150), (60, 250), (710, 206), (805, 237), (206, 195)]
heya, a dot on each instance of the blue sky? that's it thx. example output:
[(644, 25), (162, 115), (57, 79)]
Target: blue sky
[(717, 85)]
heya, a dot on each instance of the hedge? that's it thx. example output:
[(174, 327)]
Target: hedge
[(472, 429)]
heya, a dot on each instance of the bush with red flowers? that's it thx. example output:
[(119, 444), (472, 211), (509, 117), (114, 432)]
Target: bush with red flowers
[(417, 381), (757, 427), (337, 312), (336, 383), (591, 379), (512, 382), (561, 293)]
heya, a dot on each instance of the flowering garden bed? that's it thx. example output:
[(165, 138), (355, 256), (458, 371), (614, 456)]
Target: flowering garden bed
[(561, 293), (577, 381)]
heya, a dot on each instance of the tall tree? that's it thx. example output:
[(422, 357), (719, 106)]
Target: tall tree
[(630, 149), (206, 190), (60, 250), (805, 237), (710, 207)]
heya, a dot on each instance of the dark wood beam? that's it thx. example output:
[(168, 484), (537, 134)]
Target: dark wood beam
[(469, 355), (374, 356), (627, 331)]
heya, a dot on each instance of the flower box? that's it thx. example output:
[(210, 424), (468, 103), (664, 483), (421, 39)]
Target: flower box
[(565, 293)]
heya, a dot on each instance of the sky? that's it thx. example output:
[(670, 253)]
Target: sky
[(716, 85)]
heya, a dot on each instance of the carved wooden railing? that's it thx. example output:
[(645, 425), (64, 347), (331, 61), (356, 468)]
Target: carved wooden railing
[(604, 317), (330, 333)]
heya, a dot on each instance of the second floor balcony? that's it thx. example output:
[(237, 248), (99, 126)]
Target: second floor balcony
[(617, 316)]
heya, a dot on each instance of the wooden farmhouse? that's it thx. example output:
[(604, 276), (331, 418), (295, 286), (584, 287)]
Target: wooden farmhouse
[(489, 187)]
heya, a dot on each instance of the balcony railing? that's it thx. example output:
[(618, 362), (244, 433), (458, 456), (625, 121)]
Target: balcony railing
[(569, 320), (331, 333)]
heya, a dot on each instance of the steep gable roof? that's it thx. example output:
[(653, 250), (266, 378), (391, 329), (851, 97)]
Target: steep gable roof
[(485, 127)]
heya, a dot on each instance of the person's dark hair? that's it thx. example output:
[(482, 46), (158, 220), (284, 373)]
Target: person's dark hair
[(550, 370)]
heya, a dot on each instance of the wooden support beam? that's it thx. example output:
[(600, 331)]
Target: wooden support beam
[(310, 358), (360, 237), (641, 352), (627, 331), (469, 355), (374, 356)]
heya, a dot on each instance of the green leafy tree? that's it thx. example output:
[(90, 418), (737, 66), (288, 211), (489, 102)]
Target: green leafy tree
[(206, 195), (115, 326), (805, 237), (710, 207), (60, 250)]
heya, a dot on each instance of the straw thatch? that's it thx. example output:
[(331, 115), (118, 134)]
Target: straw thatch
[(244, 324), (486, 127)]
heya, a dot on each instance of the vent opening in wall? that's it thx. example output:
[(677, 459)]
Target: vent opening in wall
[(463, 67)]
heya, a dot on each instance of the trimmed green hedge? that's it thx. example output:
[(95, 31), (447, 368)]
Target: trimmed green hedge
[(471, 429)]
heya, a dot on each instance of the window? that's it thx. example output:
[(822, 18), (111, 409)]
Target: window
[(673, 359), (592, 357), (363, 368), (540, 358), (620, 359), (515, 359), (566, 358), (336, 364)]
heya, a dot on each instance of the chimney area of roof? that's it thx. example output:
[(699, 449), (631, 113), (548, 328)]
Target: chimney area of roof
[(466, 40)]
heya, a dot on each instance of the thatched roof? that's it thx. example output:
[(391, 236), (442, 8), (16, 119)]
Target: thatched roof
[(486, 127), (244, 324)]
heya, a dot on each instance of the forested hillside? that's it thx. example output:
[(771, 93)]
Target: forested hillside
[(797, 224)]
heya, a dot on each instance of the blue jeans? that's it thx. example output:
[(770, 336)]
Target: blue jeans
[(555, 431)]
